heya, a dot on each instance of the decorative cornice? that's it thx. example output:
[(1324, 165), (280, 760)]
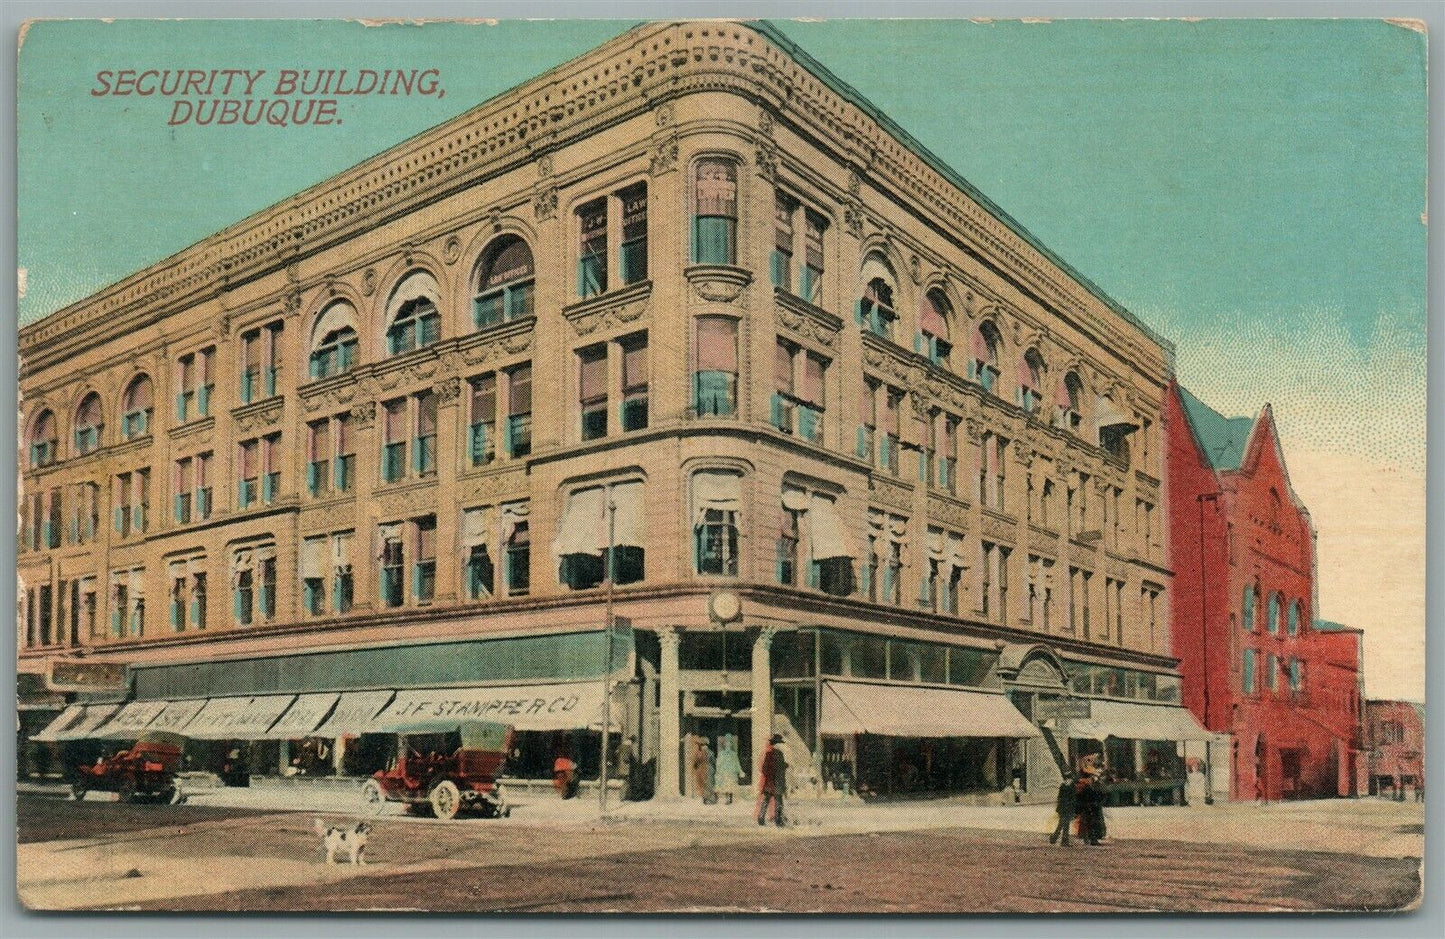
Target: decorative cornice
[(493, 486), (611, 310), (949, 511), (894, 494), (258, 415), (805, 322), (718, 283)]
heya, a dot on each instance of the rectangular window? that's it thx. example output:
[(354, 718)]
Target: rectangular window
[(1247, 680), (1296, 675), (393, 449), (519, 411), (424, 446), (318, 457), (53, 516), (592, 390), (198, 599), (893, 571), (251, 362), (1271, 672), (244, 596), (272, 366), (787, 560), (810, 278), (345, 468), (342, 584), (424, 572), (811, 395), (481, 446), (271, 468), (632, 254), (141, 500), (634, 382), (715, 212), (393, 566), (184, 482), (1085, 577), (592, 249), (781, 266), (893, 402), (313, 575), (517, 543), (248, 472), (185, 384), (783, 397), (715, 376), (203, 485), (868, 422)]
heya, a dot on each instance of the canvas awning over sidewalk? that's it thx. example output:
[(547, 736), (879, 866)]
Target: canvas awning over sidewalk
[(1129, 721), (907, 711)]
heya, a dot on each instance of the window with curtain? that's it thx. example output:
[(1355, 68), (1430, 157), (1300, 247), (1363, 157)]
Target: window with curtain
[(314, 553), (797, 403), (481, 438), (333, 341), (271, 468), (891, 440), (1030, 377), (413, 318), (795, 502), (504, 283), (1071, 392), (424, 445), (986, 344), (715, 375), (875, 311), (343, 584), (89, 423), (248, 469), (344, 469), (592, 390), (392, 558), (715, 212), (479, 569), (716, 505), (519, 411), (393, 441), (251, 364), (43, 437), (600, 532), (203, 485), (318, 457), (948, 454), (184, 482), (868, 421), (781, 261), (634, 382), (810, 278), (136, 408), (933, 337), (516, 541), (424, 572), (592, 248)]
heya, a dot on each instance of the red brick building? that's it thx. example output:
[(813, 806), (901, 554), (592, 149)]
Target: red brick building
[(1256, 664), (1395, 735)]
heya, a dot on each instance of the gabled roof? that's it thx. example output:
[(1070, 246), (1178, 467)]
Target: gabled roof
[(1222, 439), (1326, 626)]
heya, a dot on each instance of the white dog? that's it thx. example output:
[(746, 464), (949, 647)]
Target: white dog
[(338, 840)]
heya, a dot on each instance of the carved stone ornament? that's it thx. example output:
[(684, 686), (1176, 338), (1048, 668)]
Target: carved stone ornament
[(855, 183), (406, 501), (498, 348), (225, 325), (765, 124), (258, 419), (664, 156), (718, 284), (664, 114), (890, 494), (492, 486), (293, 272), (974, 430), (330, 400), (368, 282), (452, 250), (806, 328), (544, 166), (604, 318), (363, 414), (915, 269), (950, 513), (325, 518), (853, 219), (997, 528), (292, 302), (767, 160), (544, 203), (1023, 455), (449, 390)]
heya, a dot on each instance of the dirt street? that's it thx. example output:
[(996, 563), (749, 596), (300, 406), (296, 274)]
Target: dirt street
[(105, 855)]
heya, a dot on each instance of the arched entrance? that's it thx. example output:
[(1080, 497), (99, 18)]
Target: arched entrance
[(1034, 679)]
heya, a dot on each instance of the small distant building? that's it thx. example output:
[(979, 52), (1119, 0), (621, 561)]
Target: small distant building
[(1256, 663), (1395, 735)]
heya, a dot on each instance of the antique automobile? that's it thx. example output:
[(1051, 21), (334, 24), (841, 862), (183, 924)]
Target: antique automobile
[(443, 767), (146, 770)]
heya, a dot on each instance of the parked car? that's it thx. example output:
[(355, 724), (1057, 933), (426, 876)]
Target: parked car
[(443, 767), (146, 770)]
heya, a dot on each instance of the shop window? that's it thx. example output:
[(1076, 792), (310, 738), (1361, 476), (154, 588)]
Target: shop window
[(504, 283), (43, 438), (716, 505), (715, 372), (600, 536), (715, 212), (89, 423), (136, 409), (1031, 380), (932, 340), (333, 341)]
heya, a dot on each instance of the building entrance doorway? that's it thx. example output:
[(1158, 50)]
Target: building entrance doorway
[(718, 733)]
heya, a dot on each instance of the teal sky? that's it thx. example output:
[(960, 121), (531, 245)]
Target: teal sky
[(1252, 189)]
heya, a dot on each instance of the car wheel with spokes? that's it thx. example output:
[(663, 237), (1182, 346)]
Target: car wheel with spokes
[(446, 800), (373, 797)]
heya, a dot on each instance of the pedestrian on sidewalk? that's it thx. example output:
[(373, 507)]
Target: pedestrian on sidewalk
[(1090, 806), (625, 765), (702, 770), (729, 771), (772, 781), (1065, 805), (564, 775)]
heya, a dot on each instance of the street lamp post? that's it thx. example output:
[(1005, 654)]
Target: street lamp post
[(607, 654), (1204, 636)]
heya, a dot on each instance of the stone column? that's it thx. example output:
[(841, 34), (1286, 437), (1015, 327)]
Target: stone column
[(762, 698), (669, 728), (448, 446)]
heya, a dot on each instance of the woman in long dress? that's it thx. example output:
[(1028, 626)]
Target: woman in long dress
[(729, 772)]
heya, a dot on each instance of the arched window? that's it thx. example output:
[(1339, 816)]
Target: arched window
[(136, 406), (1071, 392), (503, 283), (43, 439), (875, 311), (985, 355), (1274, 506), (933, 316), (1274, 604), (333, 341), (413, 316), (715, 212), (1294, 614), (89, 422), (1031, 381), (1246, 616)]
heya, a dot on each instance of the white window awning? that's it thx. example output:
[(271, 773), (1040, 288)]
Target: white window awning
[(237, 718), (567, 706), (354, 710), (92, 716), (583, 529), (176, 715), (50, 733), (827, 538), (1130, 721), (132, 720), (908, 711), (302, 717), (719, 490)]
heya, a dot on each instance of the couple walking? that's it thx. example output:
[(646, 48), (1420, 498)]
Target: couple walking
[(1080, 798)]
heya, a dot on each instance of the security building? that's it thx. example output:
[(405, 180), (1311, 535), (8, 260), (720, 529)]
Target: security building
[(683, 328)]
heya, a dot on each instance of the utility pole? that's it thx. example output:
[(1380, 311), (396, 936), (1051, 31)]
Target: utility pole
[(607, 654)]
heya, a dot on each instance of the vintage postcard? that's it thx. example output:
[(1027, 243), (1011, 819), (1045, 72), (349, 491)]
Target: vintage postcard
[(621, 464)]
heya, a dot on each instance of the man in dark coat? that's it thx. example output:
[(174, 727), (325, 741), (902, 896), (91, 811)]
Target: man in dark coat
[(1066, 805), (626, 765), (772, 781)]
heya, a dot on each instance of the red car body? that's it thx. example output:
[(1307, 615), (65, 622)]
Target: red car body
[(145, 770), (444, 769)]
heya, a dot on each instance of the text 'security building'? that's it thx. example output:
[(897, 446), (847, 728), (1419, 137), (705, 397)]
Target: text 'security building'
[(1257, 664), (869, 466)]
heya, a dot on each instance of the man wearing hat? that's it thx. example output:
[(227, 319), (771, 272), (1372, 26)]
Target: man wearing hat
[(772, 780)]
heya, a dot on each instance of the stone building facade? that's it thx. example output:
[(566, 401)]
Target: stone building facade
[(1395, 739), (686, 309)]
